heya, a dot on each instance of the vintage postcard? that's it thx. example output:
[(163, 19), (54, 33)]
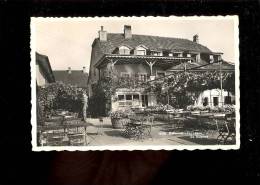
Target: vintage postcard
[(135, 83)]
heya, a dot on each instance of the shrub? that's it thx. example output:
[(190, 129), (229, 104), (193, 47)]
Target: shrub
[(121, 114)]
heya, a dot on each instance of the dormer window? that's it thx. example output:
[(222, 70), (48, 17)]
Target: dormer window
[(124, 50), (140, 50), (219, 57), (211, 58), (180, 55), (156, 53)]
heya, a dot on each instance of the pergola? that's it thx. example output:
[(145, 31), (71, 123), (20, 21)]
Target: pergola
[(151, 61)]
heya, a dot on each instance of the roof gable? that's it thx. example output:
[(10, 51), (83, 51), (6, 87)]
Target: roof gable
[(44, 64)]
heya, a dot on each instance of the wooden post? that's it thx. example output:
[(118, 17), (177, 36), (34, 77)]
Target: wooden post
[(151, 66), (221, 93)]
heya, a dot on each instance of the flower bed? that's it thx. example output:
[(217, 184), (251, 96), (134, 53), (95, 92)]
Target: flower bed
[(216, 109)]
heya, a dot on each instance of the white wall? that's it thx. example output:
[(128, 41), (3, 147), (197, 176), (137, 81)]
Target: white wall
[(210, 94), (41, 81)]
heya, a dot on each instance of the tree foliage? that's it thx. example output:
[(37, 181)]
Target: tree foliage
[(59, 96)]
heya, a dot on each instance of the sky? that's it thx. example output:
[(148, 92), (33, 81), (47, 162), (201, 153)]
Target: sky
[(67, 41)]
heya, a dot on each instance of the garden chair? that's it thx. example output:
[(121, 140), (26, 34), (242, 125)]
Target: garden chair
[(77, 139), (231, 129), (226, 129), (55, 139), (150, 122)]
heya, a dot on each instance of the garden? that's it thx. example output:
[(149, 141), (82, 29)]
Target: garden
[(175, 109)]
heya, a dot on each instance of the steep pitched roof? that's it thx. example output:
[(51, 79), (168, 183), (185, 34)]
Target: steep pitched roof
[(44, 64), (76, 77), (115, 40)]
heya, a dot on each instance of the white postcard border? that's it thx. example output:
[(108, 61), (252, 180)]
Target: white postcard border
[(133, 147)]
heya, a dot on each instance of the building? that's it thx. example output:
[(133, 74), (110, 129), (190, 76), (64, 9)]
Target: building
[(77, 78), (44, 76), (44, 73), (144, 57)]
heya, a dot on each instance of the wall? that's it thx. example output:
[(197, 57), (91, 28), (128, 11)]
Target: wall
[(213, 93), (41, 81), (96, 54)]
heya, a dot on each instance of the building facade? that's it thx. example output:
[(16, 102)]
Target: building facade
[(139, 58)]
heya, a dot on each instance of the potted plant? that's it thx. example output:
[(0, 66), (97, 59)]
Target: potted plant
[(120, 118)]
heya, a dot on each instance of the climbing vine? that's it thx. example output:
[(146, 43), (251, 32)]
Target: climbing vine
[(183, 88)]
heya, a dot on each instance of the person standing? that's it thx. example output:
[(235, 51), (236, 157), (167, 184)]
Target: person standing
[(85, 105)]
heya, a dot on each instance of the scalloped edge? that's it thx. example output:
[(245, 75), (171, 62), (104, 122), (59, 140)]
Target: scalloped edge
[(134, 147)]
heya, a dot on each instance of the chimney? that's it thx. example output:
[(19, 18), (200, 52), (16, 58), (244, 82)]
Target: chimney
[(84, 69), (69, 70), (127, 32), (196, 38), (102, 35)]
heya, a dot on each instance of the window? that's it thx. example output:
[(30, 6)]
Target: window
[(227, 100), (211, 58), (140, 50), (128, 100), (188, 55), (121, 97), (197, 57), (205, 101), (215, 101), (170, 54), (144, 100), (135, 96), (128, 97), (219, 57), (142, 76), (123, 50), (156, 53), (180, 55)]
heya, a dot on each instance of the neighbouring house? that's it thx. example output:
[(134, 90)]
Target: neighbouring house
[(44, 76), (44, 73), (144, 57), (77, 78)]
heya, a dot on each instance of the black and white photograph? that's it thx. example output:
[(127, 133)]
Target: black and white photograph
[(135, 83)]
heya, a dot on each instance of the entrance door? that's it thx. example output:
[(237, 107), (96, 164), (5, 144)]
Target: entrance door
[(144, 100), (215, 101)]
